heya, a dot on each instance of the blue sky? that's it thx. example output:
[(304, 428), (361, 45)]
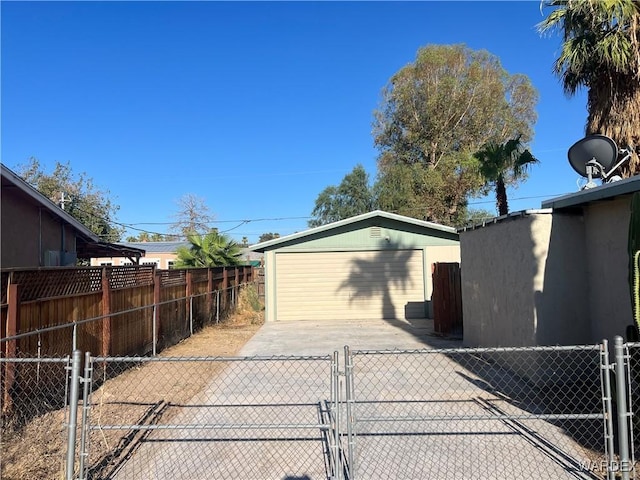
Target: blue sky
[(256, 107)]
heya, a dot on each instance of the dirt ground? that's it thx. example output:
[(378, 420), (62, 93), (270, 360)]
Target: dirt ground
[(38, 450)]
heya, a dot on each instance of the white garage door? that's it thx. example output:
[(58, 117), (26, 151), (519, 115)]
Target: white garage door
[(349, 285)]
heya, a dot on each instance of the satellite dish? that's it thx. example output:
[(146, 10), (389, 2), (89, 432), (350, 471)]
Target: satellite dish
[(595, 156)]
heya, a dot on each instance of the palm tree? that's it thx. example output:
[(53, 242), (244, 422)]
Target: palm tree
[(211, 250), (503, 164), (601, 52)]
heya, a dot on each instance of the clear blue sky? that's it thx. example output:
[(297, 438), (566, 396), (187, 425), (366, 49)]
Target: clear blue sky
[(256, 107)]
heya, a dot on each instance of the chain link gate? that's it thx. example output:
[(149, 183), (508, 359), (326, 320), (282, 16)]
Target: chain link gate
[(535, 412), (271, 417)]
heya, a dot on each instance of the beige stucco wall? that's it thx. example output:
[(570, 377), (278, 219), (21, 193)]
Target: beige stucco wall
[(523, 282), (607, 231), (548, 279)]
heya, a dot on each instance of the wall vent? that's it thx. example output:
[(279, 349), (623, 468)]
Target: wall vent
[(375, 232)]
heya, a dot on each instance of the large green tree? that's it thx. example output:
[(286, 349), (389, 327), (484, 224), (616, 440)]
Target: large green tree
[(503, 164), (601, 51), (77, 195), (353, 196), (211, 250), (435, 113)]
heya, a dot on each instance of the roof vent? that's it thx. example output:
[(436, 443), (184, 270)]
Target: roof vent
[(375, 232)]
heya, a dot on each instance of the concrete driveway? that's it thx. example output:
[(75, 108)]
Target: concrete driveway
[(306, 337), (267, 419)]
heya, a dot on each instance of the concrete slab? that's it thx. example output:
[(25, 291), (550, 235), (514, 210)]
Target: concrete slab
[(308, 337)]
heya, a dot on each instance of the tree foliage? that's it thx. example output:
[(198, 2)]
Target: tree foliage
[(211, 250), (434, 114), (77, 195), (601, 51), (265, 237), (193, 216), (504, 164), (353, 196), (148, 237)]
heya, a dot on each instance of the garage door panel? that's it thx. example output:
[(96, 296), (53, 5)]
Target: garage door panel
[(349, 285)]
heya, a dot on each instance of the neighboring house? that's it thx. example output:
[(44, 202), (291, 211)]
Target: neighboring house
[(371, 266), (38, 233), (161, 254), (555, 276)]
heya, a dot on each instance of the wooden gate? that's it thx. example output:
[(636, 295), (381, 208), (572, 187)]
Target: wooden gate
[(447, 299)]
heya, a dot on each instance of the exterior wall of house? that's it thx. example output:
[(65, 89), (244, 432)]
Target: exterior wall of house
[(29, 232), (523, 282), (607, 231), (546, 279), (162, 259)]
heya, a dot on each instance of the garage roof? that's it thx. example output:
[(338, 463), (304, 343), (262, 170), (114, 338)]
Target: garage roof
[(261, 247)]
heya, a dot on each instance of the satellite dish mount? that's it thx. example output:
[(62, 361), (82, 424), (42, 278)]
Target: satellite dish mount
[(597, 156)]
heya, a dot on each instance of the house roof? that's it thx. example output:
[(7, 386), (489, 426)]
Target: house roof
[(157, 247), (602, 192), (261, 247), (90, 244)]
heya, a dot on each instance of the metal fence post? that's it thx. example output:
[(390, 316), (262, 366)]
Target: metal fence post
[(621, 401), (605, 379), (73, 413), (86, 389), (349, 403), (335, 381)]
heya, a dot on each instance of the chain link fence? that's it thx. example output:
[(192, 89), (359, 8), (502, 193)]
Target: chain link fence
[(258, 418), (538, 412), (477, 413), (34, 400)]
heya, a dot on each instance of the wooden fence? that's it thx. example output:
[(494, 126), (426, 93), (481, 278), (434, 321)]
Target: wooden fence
[(447, 299), (110, 310)]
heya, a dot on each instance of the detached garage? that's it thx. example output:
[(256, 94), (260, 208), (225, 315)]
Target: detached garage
[(371, 266)]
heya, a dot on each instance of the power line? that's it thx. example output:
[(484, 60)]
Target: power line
[(240, 223)]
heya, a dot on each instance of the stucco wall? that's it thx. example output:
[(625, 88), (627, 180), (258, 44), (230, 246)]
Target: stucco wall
[(523, 282), (607, 230), (547, 279)]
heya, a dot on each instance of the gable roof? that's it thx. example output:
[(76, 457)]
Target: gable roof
[(92, 246), (261, 247)]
